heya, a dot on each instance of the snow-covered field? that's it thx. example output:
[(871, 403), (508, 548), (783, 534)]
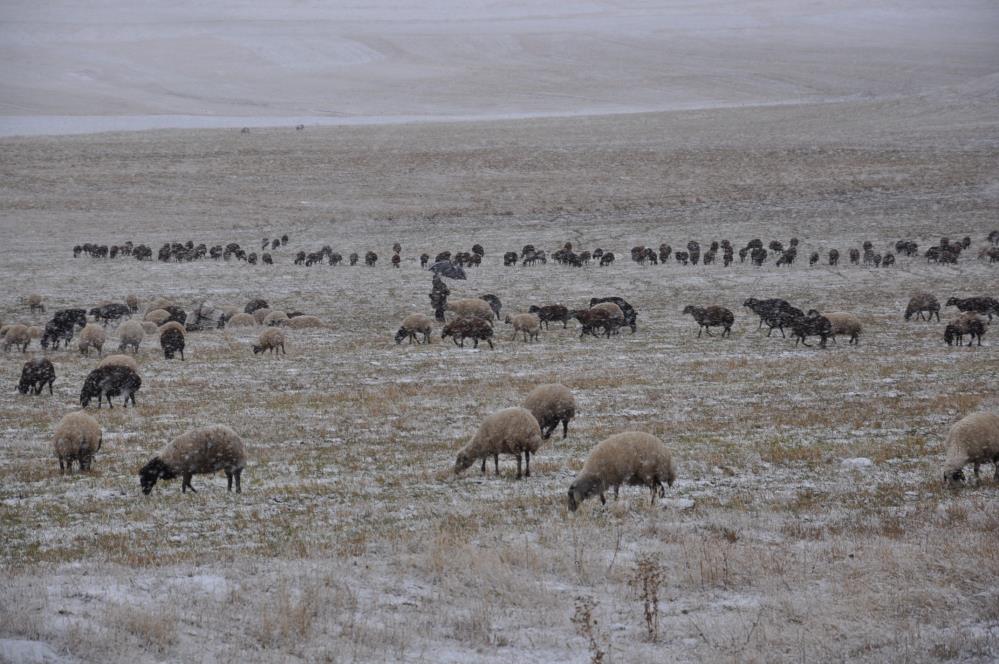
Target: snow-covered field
[(352, 540)]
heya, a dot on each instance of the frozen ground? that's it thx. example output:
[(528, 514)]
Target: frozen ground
[(185, 63), (352, 540)]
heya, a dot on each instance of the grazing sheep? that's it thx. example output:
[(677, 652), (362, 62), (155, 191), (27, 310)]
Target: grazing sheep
[(16, 335), (275, 319), (979, 305), (261, 314), (242, 320), (632, 457), (509, 431), (197, 452), (92, 336), (172, 340), (551, 404), (35, 375), (253, 305), (921, 302), (614, 313), (468, 328), (814, 324), (471, 308), (606, 259), (62, 326), (107, 382), (551, 312), (414, 324), (591, 320), (130, 334), (973, 439), (845, 323), (529, 324), (34, 302), (967, 323), (271, 339), (109, 312), (77, 438), (132, 302), (711, 316), (775, 312), (157, 316), (494, 303), (302, 322), (630, 315), (119, 361)]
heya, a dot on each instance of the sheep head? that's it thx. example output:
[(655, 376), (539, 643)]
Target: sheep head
[(581, 489), (154, 470), (463, 462)]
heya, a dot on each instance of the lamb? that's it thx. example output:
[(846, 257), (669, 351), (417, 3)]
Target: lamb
[(130, 334), (845, 323), (271, 340), (119, 361), (107, 382), (301, 322), (77, 438), (468, 328), (35, 375), (711, 316), (34, 302), (275, 319), (551, 404), (16, 335), (242, 320), (157, 316), (973, 439), (981, 305), (591, 320), (92, 336), (197, 452), (172, 339), (528, 324), (471, 308), (508, 431), (632, 457), (132, 302), (921, 302), (414, 324), (551, 312)]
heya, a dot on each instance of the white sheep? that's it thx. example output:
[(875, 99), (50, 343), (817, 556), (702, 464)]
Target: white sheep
[(260, 314), (119, 361), (158, 316), (471, 307), (160, 303), (276, 318), (16, 335), (242, 320), (845, 323), (196, 452), (34, 301), (271, 340), (551, 404), (631, 457), (130, 333), (974, 439), (529, 324), (302, 322), (77, 438), (92, 336), (509, 431), (132, 302), (614, 312), (414, 324)]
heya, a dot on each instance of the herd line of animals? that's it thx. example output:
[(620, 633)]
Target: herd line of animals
[(629, 458)]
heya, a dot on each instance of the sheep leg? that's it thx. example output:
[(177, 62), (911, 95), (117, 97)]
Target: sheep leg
[(699, 328), (187, 483), (603, 500), (976, 466), (617, 489), (228, 477), (181, 354), (495, 464), (707, 331), (62, 468), (519, 475), (565, 428), (483, 465), (491, 346), (514, 337), (238, 474), (652, 485), (527, 458)]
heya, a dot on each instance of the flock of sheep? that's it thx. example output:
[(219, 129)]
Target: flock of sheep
[(631, 458)]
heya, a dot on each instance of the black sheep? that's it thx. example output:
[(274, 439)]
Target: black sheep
[(110, 381), (35, 375)]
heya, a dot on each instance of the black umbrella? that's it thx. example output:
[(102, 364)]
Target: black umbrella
[(447, 269)]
